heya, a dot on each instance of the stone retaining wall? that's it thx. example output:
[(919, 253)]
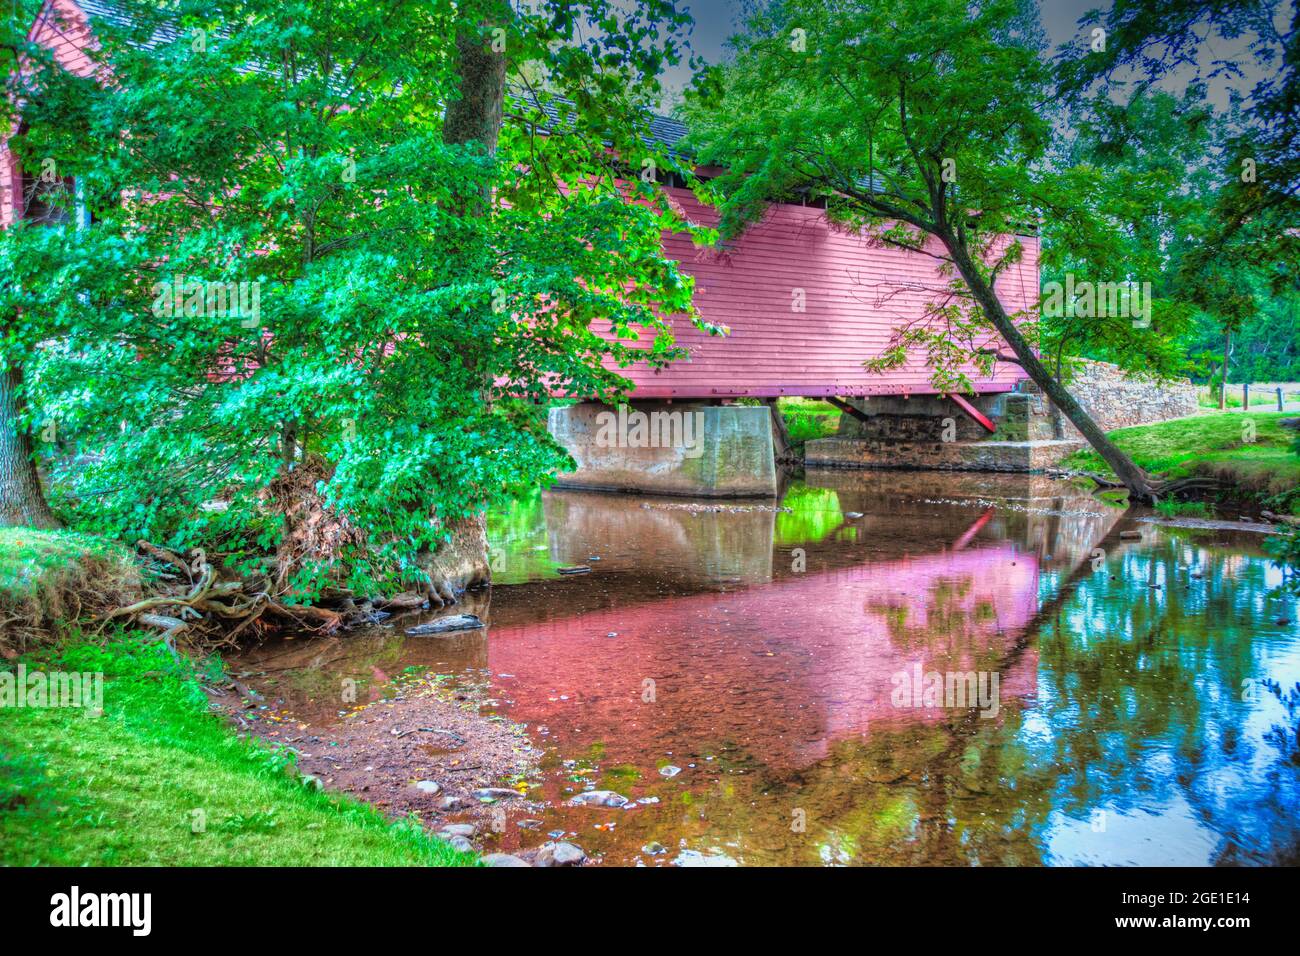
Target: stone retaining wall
[(1115, 400)]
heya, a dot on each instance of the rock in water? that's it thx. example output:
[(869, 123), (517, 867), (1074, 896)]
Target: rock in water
[(559, 854), (495, 793), (456, 622), (460, 843), (577, 569), (598, 798)]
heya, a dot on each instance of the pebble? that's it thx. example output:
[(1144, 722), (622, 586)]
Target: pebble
[(461, 843), (448, 804), (598, 798), (559, 854), (459, 829), (669, 771), (427, 786)]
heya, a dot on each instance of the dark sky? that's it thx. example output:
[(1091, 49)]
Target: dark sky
[(715, 20)]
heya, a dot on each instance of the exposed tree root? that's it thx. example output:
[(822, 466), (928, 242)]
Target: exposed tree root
[(1174, 488), (200, 607)]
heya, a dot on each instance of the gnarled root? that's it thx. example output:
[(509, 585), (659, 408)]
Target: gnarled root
[(1156, 490), (459, 564), (191, 600)]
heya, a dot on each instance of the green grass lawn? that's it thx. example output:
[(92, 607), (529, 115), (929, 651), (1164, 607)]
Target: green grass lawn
[(807, 419), (1214, 444), (123, 789)]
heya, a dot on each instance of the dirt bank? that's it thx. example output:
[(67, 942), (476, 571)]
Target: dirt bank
[(409, 743)]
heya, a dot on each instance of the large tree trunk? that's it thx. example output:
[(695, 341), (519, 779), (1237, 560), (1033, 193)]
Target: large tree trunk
[(472, 117), (1134, 478), (22, 500), (475, 115)]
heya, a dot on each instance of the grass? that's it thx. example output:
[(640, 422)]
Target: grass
[(807, 419), (1185, 509), (48, 578), (1219, 445), (131, 787)]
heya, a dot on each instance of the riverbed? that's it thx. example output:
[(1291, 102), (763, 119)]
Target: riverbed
[(901, 668)]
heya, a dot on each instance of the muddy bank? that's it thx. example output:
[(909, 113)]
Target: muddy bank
[(411, 740)]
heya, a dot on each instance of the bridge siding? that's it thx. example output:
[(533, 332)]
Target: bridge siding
[(856, 294)]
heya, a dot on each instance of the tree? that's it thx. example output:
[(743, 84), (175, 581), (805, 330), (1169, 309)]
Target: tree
[(1158, 155), (335, 344), (22, 496), (56, 295), (927, 123), (1258, 210)]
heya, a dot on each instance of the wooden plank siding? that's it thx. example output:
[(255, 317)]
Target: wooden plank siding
[(60, 26), (855, 294)]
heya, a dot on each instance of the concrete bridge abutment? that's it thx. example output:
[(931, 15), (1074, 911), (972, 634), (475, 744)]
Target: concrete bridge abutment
[(668, 448)]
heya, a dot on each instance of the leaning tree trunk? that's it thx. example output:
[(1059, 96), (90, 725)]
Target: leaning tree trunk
[(474, 116), (22, 500), (1134, 478)]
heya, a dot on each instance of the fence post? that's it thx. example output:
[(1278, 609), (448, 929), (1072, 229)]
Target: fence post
[(1280, 400), (1245, 396)]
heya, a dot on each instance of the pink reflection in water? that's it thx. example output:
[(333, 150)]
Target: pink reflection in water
[(779, 672)]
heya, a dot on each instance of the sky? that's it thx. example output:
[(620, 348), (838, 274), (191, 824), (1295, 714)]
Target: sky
[(715, 20)]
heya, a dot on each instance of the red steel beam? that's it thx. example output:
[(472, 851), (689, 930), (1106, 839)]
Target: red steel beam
[(973, 413)]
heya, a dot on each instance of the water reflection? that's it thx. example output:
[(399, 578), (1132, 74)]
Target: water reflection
[(759, 651)]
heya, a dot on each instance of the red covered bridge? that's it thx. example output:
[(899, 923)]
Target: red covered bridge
[(806, 304)]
